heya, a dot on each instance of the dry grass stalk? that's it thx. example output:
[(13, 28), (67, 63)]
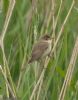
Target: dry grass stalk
[(8, 17), (64, 23), (39, 91), (40, 79), (6, 23), (70, 70), (7, 82)]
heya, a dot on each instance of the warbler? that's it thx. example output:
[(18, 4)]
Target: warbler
[(41, 49)]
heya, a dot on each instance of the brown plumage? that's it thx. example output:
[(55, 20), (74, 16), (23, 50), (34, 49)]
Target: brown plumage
[(41, 49)]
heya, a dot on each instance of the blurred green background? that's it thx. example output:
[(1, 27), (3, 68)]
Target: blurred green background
[(30, 20)]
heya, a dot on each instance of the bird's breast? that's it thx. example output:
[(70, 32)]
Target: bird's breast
[(48, 50)]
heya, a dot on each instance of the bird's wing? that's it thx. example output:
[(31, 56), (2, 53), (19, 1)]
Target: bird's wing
[(39, 49)]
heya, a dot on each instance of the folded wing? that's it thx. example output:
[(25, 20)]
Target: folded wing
[(38, 50)]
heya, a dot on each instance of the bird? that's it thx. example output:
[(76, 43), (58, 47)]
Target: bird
[(41, 49)]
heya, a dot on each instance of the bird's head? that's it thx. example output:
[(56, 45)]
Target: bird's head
[(47, 38)]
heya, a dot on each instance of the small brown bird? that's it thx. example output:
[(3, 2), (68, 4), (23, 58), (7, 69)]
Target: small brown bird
[(41, 49)]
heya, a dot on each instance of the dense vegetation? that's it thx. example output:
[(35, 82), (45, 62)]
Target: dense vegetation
[(21, 24)]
